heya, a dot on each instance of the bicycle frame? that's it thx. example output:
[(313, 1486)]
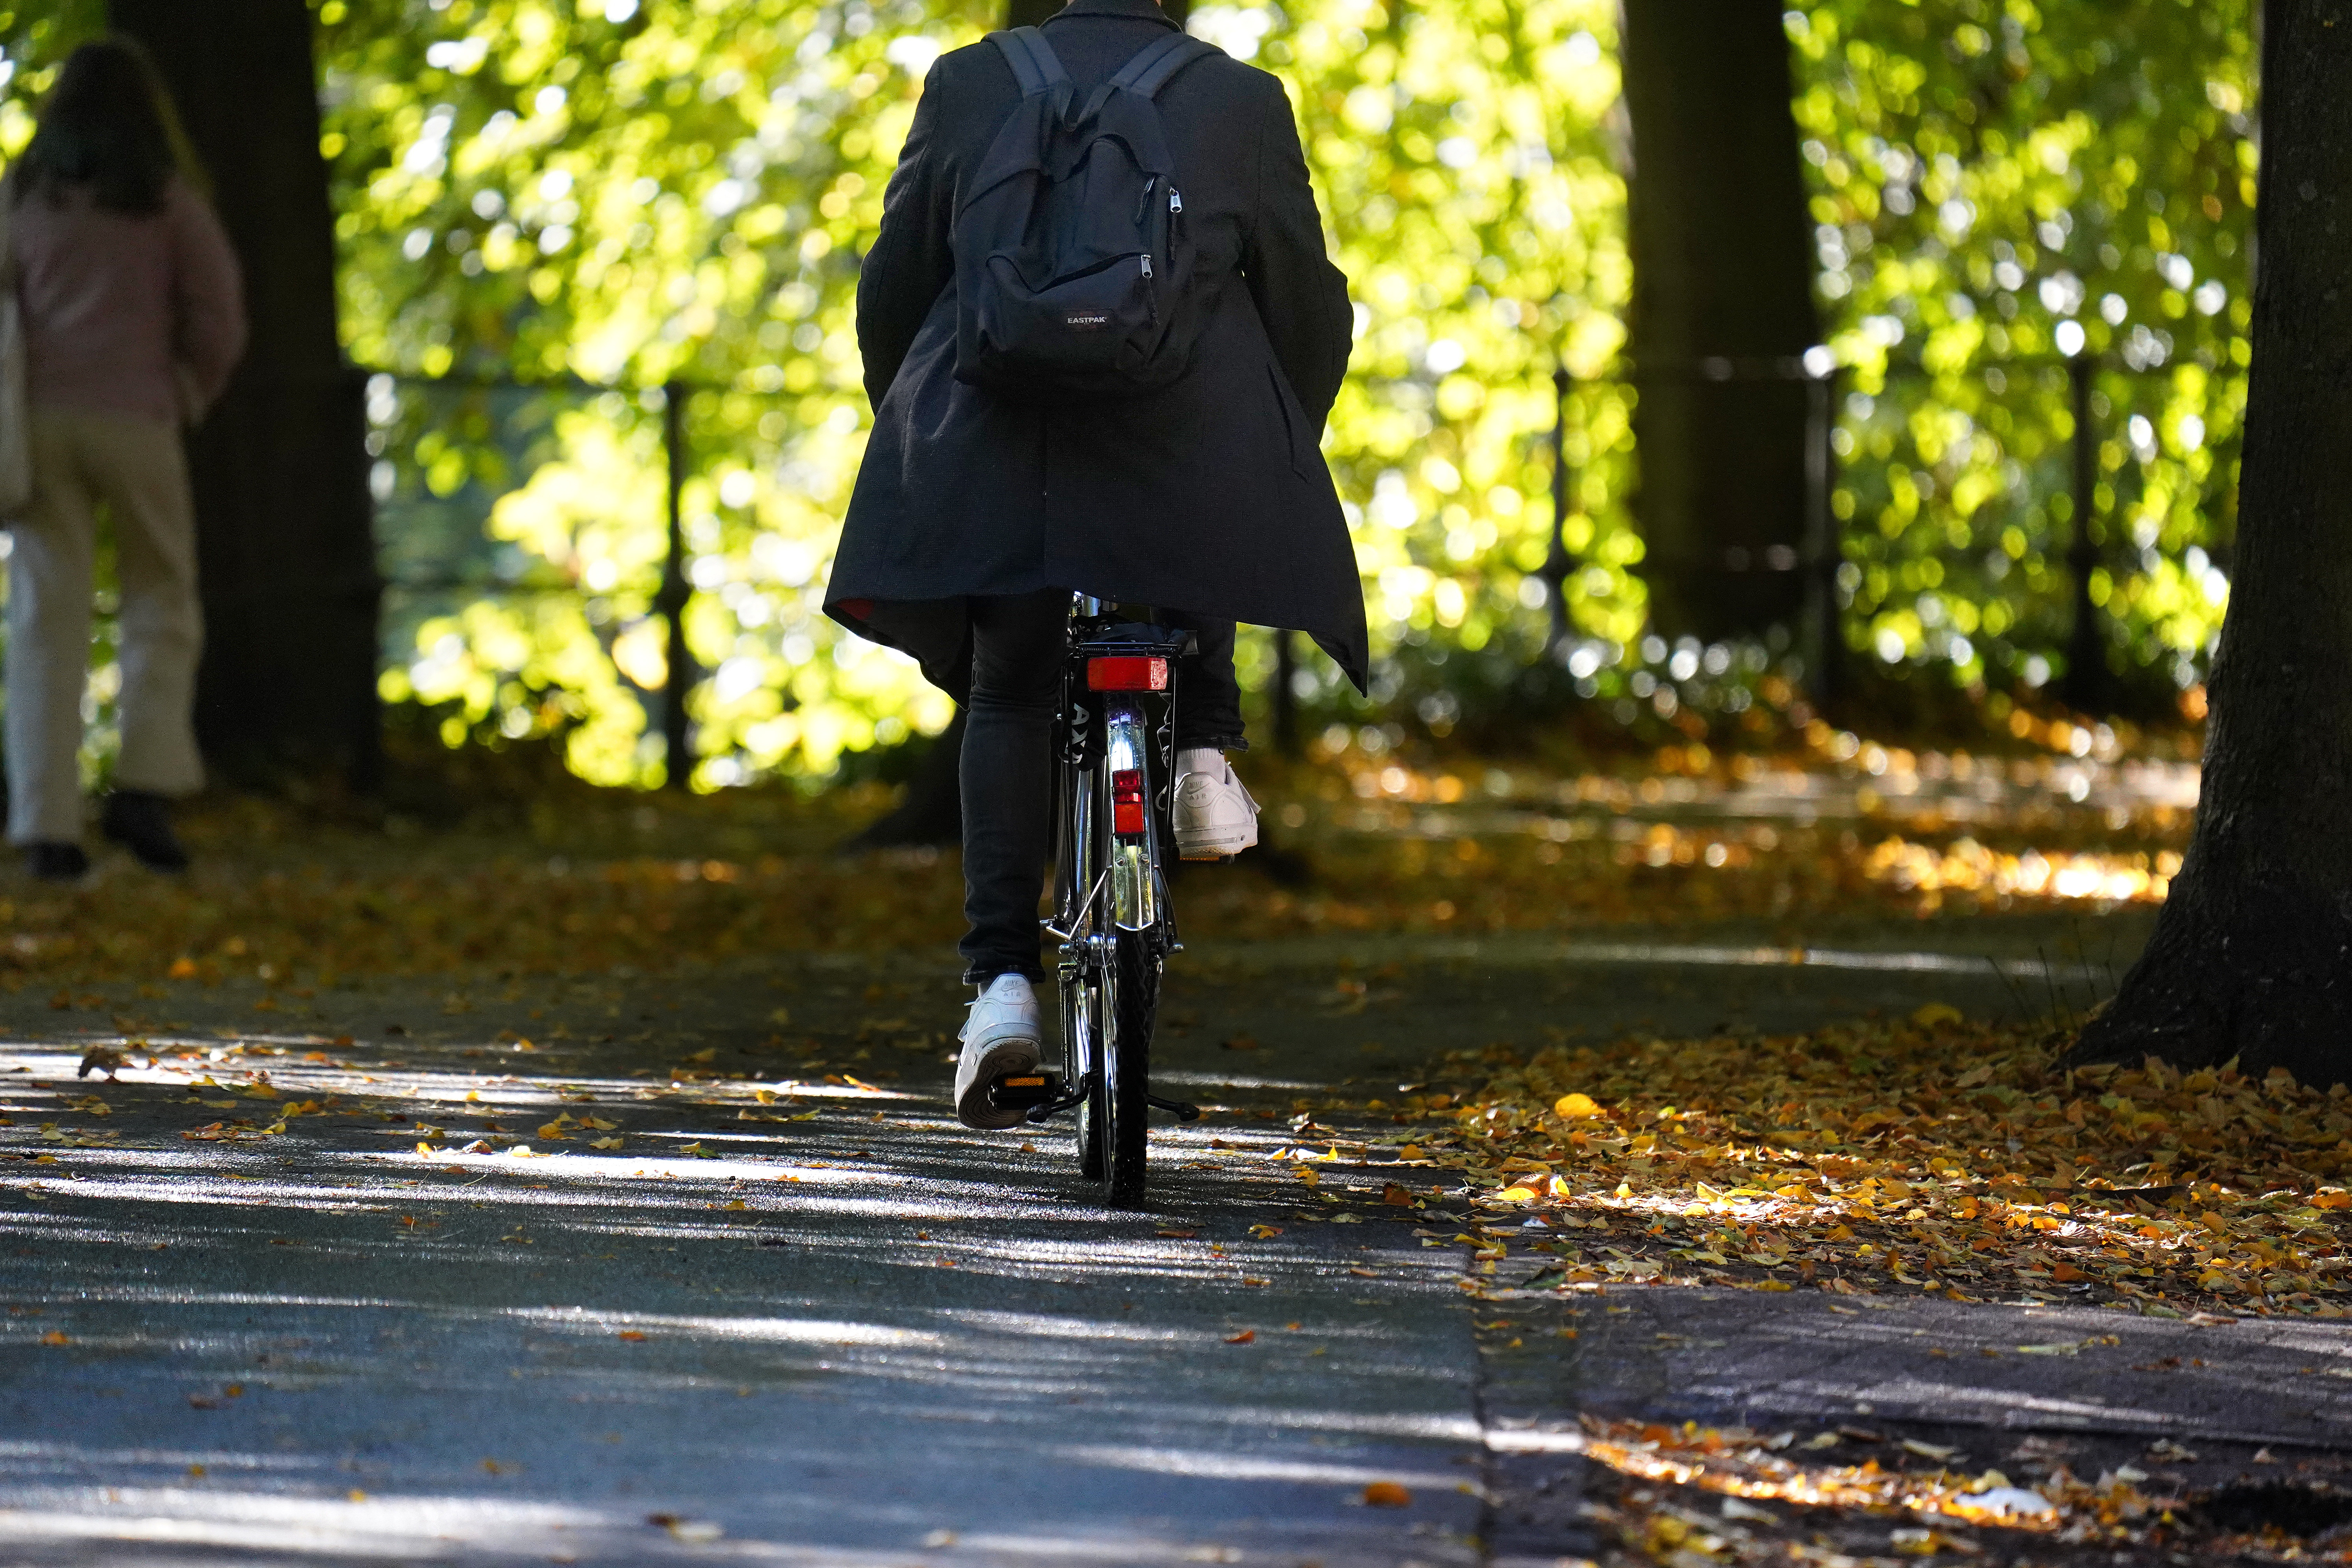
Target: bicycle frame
[(1114, 784)]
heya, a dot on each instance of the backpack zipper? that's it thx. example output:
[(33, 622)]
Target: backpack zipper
[(1146, 260), (1175, 200), (1143, 202)]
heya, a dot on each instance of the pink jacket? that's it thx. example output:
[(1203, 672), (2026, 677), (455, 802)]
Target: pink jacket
[(113, 302)]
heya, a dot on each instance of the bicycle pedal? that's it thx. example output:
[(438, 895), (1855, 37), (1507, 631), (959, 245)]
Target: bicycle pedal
[(1020, 1091)]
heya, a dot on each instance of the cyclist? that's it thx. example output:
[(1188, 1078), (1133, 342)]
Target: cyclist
[(977, 514)]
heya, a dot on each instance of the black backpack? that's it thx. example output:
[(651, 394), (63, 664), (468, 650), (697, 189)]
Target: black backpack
[(1074, 272)]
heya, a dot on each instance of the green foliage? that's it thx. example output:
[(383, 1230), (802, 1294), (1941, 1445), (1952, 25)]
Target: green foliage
[(1988, 172), (612, 196), (548, 192), (548, 209)]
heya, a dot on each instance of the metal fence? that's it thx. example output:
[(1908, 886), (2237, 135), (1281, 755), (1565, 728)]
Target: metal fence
[(2054, 417), (2079, 454), (432, 544)]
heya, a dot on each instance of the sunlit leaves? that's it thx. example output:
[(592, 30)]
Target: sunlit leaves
[(577, 195), (1998, 182), (1476, 207), (1926, 1154), (683, 195), (632, 196)]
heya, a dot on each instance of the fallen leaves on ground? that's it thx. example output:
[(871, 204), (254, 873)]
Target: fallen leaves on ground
[(580, 885), (1693, 1494), (1927, 1154)]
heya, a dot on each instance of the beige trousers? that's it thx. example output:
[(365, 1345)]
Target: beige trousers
[(135, 470)]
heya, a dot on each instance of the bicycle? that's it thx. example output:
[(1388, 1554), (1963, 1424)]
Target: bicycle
[(1115, 775)]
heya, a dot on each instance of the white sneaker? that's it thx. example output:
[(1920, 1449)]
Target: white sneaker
[(1215, 817), (1000, 1036)]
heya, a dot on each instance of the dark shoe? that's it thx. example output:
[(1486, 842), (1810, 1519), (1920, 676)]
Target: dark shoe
[(56, 862), (142, 824)]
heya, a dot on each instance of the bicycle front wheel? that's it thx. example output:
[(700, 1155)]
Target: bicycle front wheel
[(1118, 1106)]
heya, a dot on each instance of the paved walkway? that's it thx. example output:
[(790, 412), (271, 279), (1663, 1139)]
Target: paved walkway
[(796, 1315)]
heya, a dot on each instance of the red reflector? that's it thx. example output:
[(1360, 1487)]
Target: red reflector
[(857, 609), (1127, 673), (1126, 798)]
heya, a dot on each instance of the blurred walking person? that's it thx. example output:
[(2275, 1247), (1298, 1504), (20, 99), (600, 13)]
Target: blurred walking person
[(132, 319)]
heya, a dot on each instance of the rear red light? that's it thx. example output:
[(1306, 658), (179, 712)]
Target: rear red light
[(1135, 672), (1127, 802)]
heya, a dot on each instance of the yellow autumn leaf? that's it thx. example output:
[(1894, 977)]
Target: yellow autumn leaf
[(1573, 1107), (603, 1143), (1935, 1013)]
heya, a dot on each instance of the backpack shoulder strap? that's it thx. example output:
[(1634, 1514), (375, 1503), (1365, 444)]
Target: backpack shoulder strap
[(1154, 65), (1034, 64)]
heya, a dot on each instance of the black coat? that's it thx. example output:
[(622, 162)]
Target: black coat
[(1209, 496)]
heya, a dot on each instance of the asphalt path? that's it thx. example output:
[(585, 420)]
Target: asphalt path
[(795, 1314)]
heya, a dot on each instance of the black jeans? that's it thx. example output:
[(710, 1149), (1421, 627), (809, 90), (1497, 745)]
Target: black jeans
[(1008, 766)]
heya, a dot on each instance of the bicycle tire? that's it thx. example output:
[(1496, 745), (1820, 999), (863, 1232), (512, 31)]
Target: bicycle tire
[(1120, 1103)]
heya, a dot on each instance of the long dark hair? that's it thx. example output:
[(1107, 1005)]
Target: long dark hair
[(108, 127)]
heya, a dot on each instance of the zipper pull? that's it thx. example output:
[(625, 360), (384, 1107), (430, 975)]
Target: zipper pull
[(1175, 200), (1146, 260)]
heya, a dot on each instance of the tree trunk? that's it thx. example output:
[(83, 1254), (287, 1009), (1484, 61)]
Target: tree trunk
[(285, 538), (1029, 13), (1722, 313), (2253, 956)]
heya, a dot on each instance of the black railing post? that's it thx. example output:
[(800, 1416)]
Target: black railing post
[(1558, 561), (677, 763), (1824, 631), (2086, 685), (1285, 693)]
